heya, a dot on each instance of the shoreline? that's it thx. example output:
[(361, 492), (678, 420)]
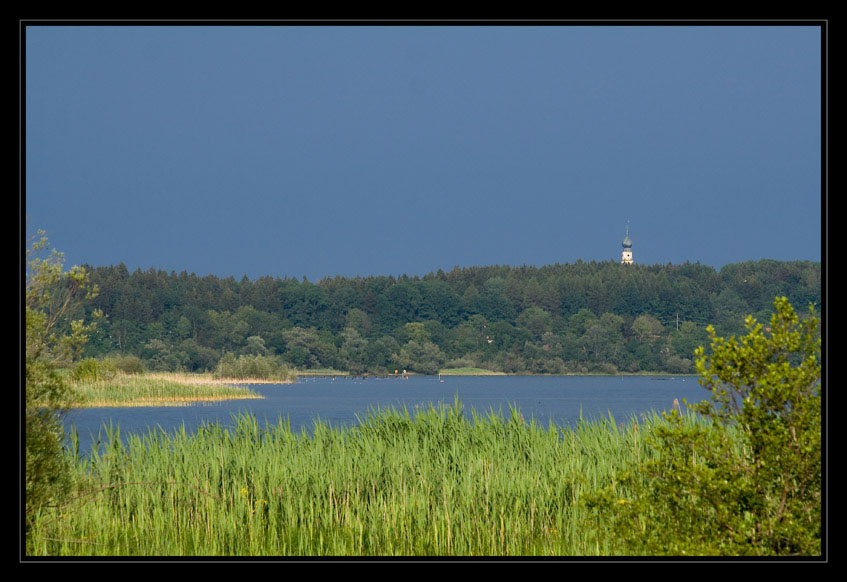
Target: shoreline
[(622, 374), (348, 375), (198, 381)]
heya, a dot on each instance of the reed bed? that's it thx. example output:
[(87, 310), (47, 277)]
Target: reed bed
[(158, 390), (440, 482)]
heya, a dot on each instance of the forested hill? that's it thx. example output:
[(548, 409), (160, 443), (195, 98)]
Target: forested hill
[(564, 318)]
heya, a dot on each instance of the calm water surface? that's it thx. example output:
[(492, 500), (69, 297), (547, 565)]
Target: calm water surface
[(340, 401)]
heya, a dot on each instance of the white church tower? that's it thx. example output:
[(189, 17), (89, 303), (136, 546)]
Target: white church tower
[(626, 256)]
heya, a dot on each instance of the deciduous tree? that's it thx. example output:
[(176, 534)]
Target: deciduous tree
[(52, 338), (747, 481)]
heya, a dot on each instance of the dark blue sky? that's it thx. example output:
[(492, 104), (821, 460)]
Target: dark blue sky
[(377, 150)]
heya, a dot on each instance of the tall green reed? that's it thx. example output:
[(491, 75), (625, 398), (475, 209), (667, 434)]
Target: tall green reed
[(439, 481)]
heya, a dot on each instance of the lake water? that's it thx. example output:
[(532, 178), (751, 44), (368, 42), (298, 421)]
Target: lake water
[(560, 399)]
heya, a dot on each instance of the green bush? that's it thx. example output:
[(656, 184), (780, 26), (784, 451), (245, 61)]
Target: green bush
[(92, 369), (746, 479), (47, 469), (245, 366), (128, 364)]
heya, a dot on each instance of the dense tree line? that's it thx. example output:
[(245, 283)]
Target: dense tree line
[(564, 318)]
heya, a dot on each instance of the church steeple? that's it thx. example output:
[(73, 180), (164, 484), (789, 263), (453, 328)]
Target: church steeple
[(626, 256)]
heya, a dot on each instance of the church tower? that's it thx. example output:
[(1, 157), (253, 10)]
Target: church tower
[(626, 256)]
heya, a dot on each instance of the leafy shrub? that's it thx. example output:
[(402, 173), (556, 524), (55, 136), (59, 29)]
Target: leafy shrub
[(677, 365), (245, 366), (92, 369), (128, 364), (47, 469), (746, 480), (607, 368)]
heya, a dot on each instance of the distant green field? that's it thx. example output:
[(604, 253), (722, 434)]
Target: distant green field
[(322, 372), (469, 372)]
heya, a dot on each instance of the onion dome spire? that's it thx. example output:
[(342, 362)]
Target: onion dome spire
[(626, 255)]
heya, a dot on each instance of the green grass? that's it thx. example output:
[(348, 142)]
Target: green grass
[(440, 482), (322, 372), (469, 372), (164, 389)]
